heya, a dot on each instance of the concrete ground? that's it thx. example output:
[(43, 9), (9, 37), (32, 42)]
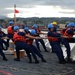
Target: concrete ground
[(51, 67)]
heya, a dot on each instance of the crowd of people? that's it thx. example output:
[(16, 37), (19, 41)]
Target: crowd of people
[(24, 40)]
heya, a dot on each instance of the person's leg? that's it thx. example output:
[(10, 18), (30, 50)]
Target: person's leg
[(43, 44), (53, 50), (66, 43), (2, 54), (38, 53), (27, 47), (17, 54), (29, 56), (18, 46), (7, 41), (1, 44), (6, 44), (59, 53), (37, 44), (10, 36)]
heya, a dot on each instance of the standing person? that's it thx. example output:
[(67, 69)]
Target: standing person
[(62, 31), (54, 30), (53, 39), (26, 29), (2, 40), (69, 32), (35, 27), (30, 43), (20, 43), (55, 26), (10, 31), (1, 51)]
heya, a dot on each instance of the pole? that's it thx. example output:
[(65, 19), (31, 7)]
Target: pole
[(14, 14)]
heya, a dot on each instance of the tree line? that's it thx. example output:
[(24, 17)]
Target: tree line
[(40, 21)]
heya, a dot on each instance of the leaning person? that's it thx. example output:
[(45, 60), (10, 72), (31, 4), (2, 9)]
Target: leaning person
[(20, 43), (53, 39), (30, 43), (38, 32)]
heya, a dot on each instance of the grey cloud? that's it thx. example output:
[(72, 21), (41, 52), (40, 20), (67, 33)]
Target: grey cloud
[(65, 4), (62, 3)]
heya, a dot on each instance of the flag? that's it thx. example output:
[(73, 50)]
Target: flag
[(16, 11)]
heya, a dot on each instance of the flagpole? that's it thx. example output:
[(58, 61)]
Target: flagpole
[(14, 14)]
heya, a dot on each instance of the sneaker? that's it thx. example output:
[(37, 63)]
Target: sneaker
[(36, 61), (16, 59), (43, 60), (73, 62), (62, 62), (70, 61), (5, 59), (30, 61)]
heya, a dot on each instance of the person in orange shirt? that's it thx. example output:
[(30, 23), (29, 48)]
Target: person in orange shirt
[(53, 38), (69, 32), (29, 41), (20, 43), (10, 31)]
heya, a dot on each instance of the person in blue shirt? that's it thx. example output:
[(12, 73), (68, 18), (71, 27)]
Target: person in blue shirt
[(55, 30), (53, 38), (69, 32), (35, 27), (55, 26)]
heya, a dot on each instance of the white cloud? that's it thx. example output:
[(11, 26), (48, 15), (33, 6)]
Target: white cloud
[(42, 11), (38, 8)]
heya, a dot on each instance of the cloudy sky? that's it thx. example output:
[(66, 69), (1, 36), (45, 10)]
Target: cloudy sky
[(38, 8)]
